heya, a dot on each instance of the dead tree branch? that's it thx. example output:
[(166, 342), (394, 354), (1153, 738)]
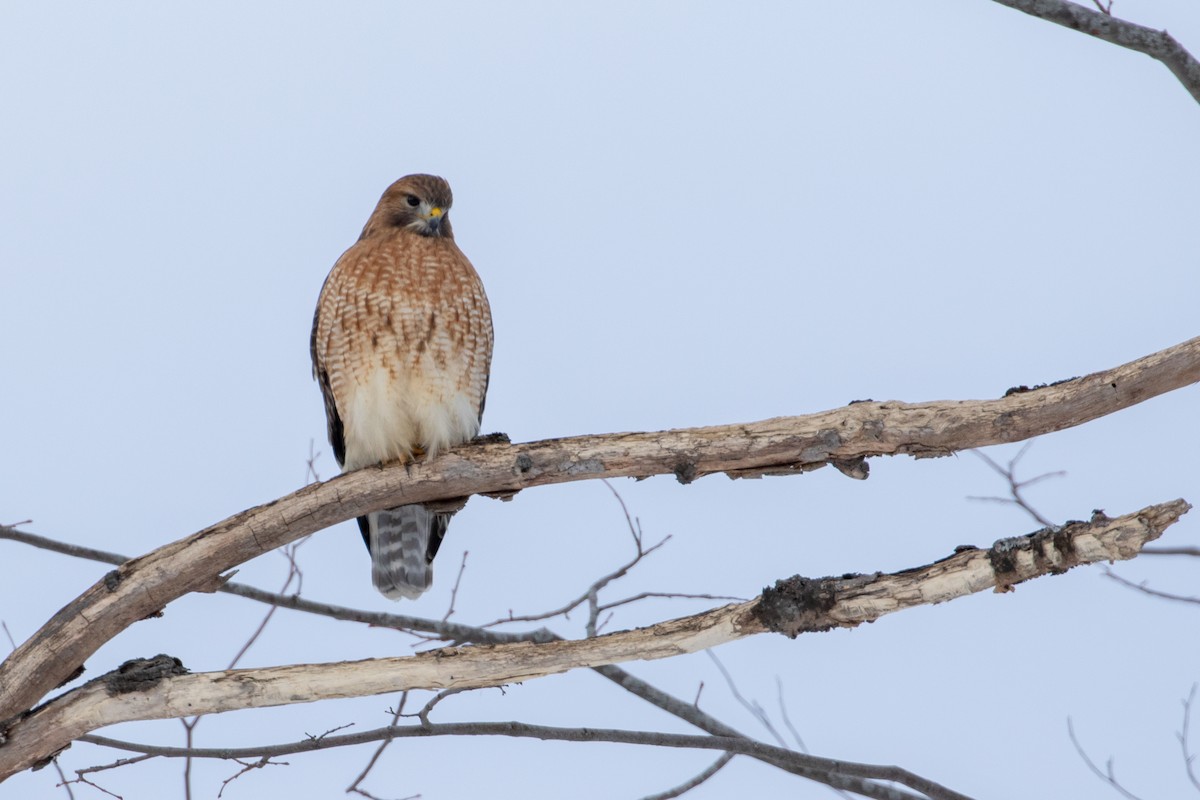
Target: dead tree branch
[(450, 631), (155, 689), (842, 774), (785, 445), (1159, 45)]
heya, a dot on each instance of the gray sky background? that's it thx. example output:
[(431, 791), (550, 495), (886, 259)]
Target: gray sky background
[(684, 214)]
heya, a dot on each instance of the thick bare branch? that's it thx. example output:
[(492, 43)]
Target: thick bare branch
[(793, 606), (798, 605), (1159, 45), (144, 586)]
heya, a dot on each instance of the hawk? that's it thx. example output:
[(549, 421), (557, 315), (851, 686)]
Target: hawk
[(401, 347)]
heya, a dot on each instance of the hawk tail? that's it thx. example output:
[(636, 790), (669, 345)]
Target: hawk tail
[(403, 542)]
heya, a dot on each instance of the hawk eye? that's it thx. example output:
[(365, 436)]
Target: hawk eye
[(413, 200)]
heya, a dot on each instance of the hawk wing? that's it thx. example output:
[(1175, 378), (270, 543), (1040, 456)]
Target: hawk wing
[(333, 420)]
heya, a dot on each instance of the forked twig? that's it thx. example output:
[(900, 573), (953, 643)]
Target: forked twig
[(247, 766), (750, 705), (1015, 486), (1108, 775)]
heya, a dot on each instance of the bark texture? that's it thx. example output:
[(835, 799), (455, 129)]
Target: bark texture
[(156, 688), (1159, 45), (144, 586)]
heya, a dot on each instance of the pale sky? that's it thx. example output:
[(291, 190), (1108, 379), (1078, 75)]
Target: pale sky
[(684, 214)]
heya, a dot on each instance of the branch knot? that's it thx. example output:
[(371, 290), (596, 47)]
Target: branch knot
[(140, 674), (799, 605)]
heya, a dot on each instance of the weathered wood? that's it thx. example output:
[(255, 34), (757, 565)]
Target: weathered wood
[(1159, 45), (145, 585), (154, 689)]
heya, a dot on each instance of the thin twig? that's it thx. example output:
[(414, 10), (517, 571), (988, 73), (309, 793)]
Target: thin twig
[(310, 472), (593, 625), (635, 526), (599, 583), (1142, 587), (752, 706), (329, 732), (462, 567), (77, 550), (1009, 473), (262, 625), (787, 721), (80, 779), (189, 727), (423, 714), (120, 762), (62, 778), (1108, 775), (1171, 551), (669, 595), (1189, 758), (695, 781), (354, 787), (247, 767)]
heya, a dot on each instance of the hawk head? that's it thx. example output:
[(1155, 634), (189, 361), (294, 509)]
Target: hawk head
[(418, 203)]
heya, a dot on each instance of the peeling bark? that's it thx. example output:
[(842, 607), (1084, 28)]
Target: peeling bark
[(157, 688), (143, 586)]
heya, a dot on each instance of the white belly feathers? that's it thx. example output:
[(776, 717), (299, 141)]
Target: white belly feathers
[(391, 414)]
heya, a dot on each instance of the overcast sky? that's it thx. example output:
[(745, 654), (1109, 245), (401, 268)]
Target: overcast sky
[(684, 214)]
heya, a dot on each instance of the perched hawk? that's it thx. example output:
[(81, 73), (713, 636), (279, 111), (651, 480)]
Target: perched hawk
[(401, 346)]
